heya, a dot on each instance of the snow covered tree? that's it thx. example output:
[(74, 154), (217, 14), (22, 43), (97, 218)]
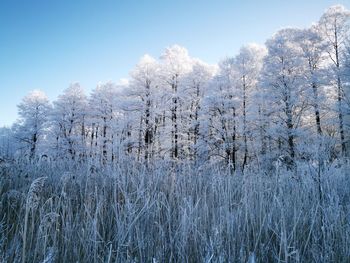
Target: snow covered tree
[(175, 64), (144, 87), (313, 51), (103, 114), (222, 103), (260, 103), (196, 83), (346, 87), (284, 91), (246, 69), (334, 27), (69, 122), (33, 116)]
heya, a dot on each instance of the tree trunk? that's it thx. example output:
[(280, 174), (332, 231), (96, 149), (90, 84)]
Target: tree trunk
[(245, 157), (33, 147), (316, 108), (175, 150), (104, 146)]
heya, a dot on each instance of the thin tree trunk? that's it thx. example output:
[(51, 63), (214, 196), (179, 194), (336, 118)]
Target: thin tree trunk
[(104, 146), (245, 158), (175, 150), (339, 88), (316, 107), (233, 157), (33, 147)]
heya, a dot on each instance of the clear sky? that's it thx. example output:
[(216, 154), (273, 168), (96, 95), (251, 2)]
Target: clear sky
[(48, 44)]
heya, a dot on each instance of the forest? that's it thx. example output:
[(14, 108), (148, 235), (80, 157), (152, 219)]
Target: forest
[(247, 160)]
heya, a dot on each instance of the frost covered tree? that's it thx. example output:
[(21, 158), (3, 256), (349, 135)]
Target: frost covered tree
[(196, 83), (69, 123), (284, 91), (144, 88), (30, 128), (175, 64), (334, 27), (254, 106), (246, 69), (221, 104), (103, 115), (231, 103), (346, 87), (313, 51)]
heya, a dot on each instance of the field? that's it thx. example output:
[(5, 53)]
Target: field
[(173, 213)]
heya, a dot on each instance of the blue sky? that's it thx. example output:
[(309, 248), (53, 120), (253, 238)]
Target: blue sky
[(48, 44)]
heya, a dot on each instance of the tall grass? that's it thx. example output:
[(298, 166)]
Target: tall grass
[(131, 213)]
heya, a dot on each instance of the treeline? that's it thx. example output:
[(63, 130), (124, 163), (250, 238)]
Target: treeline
[(287, 101)]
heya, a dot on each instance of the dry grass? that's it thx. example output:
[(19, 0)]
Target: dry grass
[(131, 214)]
